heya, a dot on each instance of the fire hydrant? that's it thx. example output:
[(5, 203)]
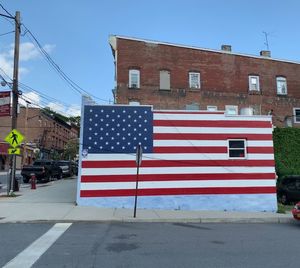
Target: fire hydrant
[(33, 181)]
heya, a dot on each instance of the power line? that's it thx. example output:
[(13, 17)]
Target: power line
[(6, 11), (7, 33), (28, 89), (54, 65)]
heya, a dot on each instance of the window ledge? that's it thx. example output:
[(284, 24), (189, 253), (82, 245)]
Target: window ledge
[(254, 92), (281, 95), (134, 88)]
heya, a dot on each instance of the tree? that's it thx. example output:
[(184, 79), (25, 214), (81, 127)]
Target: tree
[(71, 149)]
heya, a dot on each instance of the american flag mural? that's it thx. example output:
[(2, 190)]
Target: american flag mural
[(191, 159)]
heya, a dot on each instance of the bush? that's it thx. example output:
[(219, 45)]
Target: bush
[(287, 151)]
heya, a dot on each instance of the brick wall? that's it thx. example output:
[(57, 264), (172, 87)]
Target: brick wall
[(224, 78)]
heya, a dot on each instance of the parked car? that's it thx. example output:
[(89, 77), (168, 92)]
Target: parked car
[(288, 189), (296, 211), (69, 168), (43, 170)]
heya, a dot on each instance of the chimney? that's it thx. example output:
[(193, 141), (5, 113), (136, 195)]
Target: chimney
[(226, 48), (265, 53)]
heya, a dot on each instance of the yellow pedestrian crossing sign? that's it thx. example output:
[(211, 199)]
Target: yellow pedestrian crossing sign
[(14, 151), (14, 138)]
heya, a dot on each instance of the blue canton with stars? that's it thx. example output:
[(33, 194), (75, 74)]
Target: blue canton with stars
[(117, 129)]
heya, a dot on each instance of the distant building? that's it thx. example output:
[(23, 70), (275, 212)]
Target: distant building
[(171, 76), (45, 135)]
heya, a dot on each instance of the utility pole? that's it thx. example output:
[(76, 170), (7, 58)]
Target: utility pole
[(15, 93)]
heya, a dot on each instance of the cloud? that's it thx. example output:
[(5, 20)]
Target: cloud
[(73, 110), (28, 52), (30, 98)]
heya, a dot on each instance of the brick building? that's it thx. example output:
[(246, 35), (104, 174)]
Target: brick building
[(170, 76), (44, 133)]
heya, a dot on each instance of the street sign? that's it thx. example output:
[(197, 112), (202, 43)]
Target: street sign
[(14, 151), (14, 138), (5, 103)]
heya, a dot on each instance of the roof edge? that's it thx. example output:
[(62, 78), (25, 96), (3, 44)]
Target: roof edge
[(114, 38)]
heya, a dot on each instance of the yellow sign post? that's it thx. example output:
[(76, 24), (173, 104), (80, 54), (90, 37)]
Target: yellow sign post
[(14, 151), (14, 138)]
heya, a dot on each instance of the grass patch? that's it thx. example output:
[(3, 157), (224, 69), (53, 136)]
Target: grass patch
[(284, 208)]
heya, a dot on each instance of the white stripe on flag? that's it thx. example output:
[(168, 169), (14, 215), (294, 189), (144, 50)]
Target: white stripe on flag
[(176, 170), (212, 130), (177, 184)]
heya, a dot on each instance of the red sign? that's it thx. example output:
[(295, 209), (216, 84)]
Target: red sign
[(4, 103)]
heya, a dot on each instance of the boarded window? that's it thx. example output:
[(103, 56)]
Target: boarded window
[(164, 82)]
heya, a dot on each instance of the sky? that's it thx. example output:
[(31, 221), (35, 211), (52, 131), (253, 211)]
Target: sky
[(75, 33)]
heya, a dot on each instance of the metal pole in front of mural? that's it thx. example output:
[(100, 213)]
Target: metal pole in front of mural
[(139, 154)]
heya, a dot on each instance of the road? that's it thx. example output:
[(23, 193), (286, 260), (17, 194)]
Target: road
[(151, 245)]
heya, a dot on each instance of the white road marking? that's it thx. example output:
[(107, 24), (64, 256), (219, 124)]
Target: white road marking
[(32, 253)]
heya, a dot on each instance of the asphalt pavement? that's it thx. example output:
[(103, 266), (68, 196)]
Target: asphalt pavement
[(56, 201)]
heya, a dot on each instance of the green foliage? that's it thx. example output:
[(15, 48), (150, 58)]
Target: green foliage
[(287, 151), (71, 149)]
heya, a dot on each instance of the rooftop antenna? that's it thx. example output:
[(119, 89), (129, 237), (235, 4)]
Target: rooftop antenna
[(266, 42)]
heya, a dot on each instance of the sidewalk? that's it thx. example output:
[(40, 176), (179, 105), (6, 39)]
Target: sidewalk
[(55, 201)]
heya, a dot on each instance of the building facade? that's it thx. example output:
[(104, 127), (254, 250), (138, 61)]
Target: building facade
[(45, 135), (170, 76)]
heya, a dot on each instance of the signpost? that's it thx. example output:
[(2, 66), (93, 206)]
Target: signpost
[(139, 154), (14, 138)]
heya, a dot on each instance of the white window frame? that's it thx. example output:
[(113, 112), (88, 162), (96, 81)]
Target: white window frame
[(250, 83), (231, 107), (211, 108), (281, 80), (131, 73), (191, 82), (294, 115), (134, 103), (241, 148)]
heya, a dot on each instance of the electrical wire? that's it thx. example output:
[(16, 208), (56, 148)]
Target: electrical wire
[(73, 85), (6, 11)]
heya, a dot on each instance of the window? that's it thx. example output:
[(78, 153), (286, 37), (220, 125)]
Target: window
[(164, 81), (212, 108), (194, 80), (193, 106), (253, 83), (134, 103), (134, 78), (281, 85), (237, 148), (231, 110), (296, 115)]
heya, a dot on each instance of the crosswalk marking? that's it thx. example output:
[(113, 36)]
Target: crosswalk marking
[(33, 252)]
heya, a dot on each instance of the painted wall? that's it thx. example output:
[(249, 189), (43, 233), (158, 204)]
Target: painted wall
[(185, 166)]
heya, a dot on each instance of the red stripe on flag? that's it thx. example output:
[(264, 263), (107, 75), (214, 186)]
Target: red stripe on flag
[(201, 136), (177, 177), (179, 163), (179, 191), (189, 149), (212, 123), (260, 150), (187, 112), (208, 149)]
